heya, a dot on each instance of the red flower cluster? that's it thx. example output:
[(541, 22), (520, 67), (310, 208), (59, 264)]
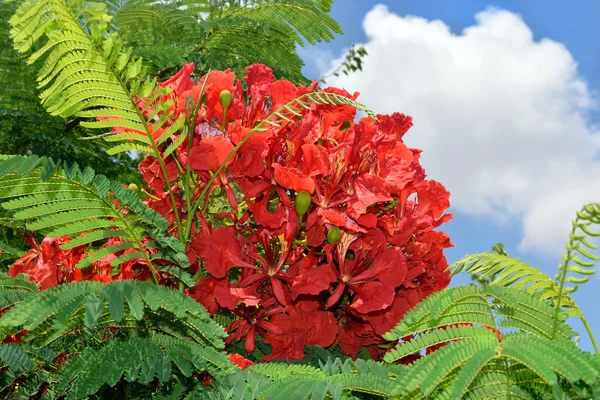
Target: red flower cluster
[(49, 265), (331, 239)]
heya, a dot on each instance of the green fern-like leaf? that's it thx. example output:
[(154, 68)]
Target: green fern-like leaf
[(221, 35), (137, 360), (13, 290), (68, 201), (578, 264), (86, 71), (512, 352), (76, 306)]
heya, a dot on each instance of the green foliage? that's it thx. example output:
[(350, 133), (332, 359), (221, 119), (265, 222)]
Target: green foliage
[(24, 126), (333, 379), (13, 290), (126, 329), (578, 264), (130, 339), (142, 360), (466, 320), (58, 199), (134, 305), (352, 62), (224, 34)]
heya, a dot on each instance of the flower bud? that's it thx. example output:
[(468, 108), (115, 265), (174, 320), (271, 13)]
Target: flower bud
[(333, 235), (225, 98), (302, 202), (133, 187)]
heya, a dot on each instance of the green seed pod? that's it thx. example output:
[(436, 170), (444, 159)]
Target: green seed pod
[(302, 202), (334, 234), (133, 187), (225, 97)]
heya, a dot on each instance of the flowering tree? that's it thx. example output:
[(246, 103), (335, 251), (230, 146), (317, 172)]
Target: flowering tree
[(322, 241), (272, 226)]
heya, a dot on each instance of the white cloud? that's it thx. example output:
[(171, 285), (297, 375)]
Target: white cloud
[(502, 119)]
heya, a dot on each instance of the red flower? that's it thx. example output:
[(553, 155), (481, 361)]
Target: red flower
[(210, 154), (273, 269), (150, 169), (240, 361), (302, 324), (220, 250), (254, 320), (47, 264)]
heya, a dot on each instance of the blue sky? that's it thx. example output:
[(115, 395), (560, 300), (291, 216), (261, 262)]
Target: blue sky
[(523, 155)]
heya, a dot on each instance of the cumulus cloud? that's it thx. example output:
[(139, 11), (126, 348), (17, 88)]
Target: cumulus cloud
[(502, 118)]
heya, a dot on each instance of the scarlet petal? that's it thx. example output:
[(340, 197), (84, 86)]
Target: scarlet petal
[(262, 216), (278, 290), (316, 159), (259, 80), (323, 329), (339, 113), (220, 251), (370, 189), (282, 92), (368, 220), (181, 80), (293, 179), (251, 156), (204, 293), (337, 294), (240, 361), (434, 199), (383, 321), (210, 154), (390, 267), (245, 295), (397, 173), (331, 216), (249, 344), (372, 296), (315, 236), (313, 281), (268, 326), (397, 124)]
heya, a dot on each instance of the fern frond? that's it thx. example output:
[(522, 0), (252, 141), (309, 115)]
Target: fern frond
[(81, 70), (527, 357), (438, 310), (137, 359), (88, 72), (293, 18), (522, 365), (93, 305), (577, 266), (13, 356), (436, 337), (511, 272), (66, 200), (13, 290), (220, 35)]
